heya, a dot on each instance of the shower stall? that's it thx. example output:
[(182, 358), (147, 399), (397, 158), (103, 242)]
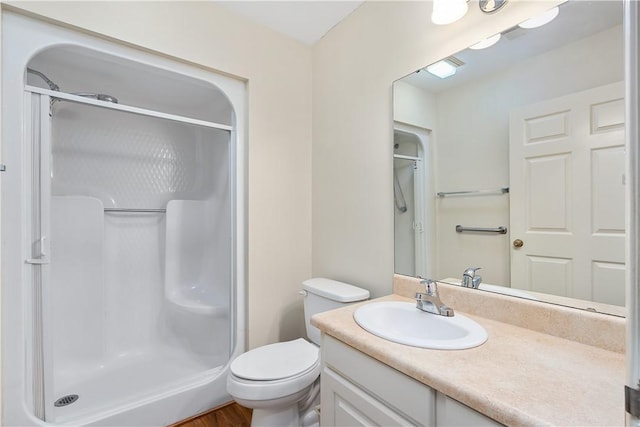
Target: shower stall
[(413, 201), (122, 231)]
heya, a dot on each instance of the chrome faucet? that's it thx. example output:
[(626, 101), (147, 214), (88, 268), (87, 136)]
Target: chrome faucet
[(470, 279), (430, 301)]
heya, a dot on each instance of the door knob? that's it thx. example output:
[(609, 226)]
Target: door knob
[(518, 243)]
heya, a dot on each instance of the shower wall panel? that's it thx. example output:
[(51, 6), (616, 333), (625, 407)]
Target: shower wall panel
[(195, 279), (132, 161), (77, 278), (113, 312)]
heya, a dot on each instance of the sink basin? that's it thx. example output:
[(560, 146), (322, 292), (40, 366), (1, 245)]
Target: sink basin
[(403, 323)]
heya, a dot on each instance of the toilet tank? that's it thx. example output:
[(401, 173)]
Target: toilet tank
[(325, 294)]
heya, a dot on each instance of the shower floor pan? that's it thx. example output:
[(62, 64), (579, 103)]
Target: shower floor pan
[(128, 381)]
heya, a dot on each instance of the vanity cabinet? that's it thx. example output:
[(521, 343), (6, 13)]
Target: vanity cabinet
[(357, 390)]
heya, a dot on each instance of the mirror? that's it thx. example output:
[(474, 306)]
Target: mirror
[(516, 163)]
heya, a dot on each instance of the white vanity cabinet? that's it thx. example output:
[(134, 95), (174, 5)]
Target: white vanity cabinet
[(358, 390)]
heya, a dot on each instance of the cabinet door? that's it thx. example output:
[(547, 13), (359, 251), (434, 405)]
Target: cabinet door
[(450, 412), (343, 404), (408, 397)]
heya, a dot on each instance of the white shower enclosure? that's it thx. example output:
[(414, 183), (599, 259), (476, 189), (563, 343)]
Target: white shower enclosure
[(413, 201), (122, 231)]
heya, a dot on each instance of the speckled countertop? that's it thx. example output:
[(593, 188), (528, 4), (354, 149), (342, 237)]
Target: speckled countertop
[(519, 377)]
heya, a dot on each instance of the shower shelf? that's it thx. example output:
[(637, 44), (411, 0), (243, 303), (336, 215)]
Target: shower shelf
[(197, 306)]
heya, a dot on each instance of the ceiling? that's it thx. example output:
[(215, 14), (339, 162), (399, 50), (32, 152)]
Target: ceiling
[(303, 20), (309, 20)]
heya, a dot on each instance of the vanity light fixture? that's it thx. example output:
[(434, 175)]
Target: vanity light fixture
[(491, 6), (448, 11), (540, 20), (443, 69), (489, 41)]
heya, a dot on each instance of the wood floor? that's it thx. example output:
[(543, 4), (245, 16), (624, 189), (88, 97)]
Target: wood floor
[(229, 415)]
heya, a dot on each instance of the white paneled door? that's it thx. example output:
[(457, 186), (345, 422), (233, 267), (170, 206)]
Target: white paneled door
[(567, 210)]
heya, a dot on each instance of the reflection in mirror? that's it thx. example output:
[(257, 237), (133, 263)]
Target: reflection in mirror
[(527, 135)]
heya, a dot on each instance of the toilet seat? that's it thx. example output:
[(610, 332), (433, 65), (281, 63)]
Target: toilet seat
[(276, 361), (274, 371)]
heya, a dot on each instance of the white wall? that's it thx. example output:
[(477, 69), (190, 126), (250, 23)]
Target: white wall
[(413, 105), (278, 74), (353, 70)]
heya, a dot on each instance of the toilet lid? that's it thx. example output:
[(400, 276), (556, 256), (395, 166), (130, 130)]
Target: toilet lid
[(276, 361)]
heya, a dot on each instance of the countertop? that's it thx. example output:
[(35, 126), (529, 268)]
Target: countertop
[(519, 377)]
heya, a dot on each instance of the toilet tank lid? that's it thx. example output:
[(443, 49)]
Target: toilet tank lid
[(334, 290)]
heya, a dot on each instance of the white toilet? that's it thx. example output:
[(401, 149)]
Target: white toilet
[(281, 382)]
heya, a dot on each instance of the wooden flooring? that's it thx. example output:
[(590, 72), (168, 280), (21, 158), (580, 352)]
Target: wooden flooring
[(229, 415)]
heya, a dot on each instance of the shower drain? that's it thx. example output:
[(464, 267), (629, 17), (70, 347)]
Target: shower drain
[(66, 400)]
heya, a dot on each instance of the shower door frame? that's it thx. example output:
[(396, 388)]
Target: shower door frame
[(37, 170), (38, 107)]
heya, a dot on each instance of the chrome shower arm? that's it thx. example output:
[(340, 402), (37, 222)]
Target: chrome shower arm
[(47, 80)]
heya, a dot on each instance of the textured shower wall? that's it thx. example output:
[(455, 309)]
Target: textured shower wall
[(108, 269), (133, 161)]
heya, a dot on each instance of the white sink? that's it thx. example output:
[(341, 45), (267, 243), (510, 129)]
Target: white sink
[(403, 323)]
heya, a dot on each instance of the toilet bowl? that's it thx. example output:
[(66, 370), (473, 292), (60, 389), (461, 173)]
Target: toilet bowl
[(273, 379), (281, 381)]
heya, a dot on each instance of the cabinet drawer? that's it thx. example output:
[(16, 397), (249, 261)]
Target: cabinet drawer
[(406, 395)]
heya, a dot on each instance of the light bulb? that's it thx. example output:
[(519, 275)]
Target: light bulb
[(490, 41), (442, 69), (540, 20), (448, 11)]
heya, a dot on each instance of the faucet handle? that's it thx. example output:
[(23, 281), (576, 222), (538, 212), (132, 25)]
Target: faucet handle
[(475, 282), (471, 271), (446, 311), (469, 278), (430, 285)]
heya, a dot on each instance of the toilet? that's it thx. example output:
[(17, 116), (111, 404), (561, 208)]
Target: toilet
[(281, 381)]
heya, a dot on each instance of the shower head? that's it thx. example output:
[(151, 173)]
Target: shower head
[(108, 98), (98, 96), (53, 86)]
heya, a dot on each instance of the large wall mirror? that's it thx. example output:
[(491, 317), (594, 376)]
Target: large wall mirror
[(515, 162)]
